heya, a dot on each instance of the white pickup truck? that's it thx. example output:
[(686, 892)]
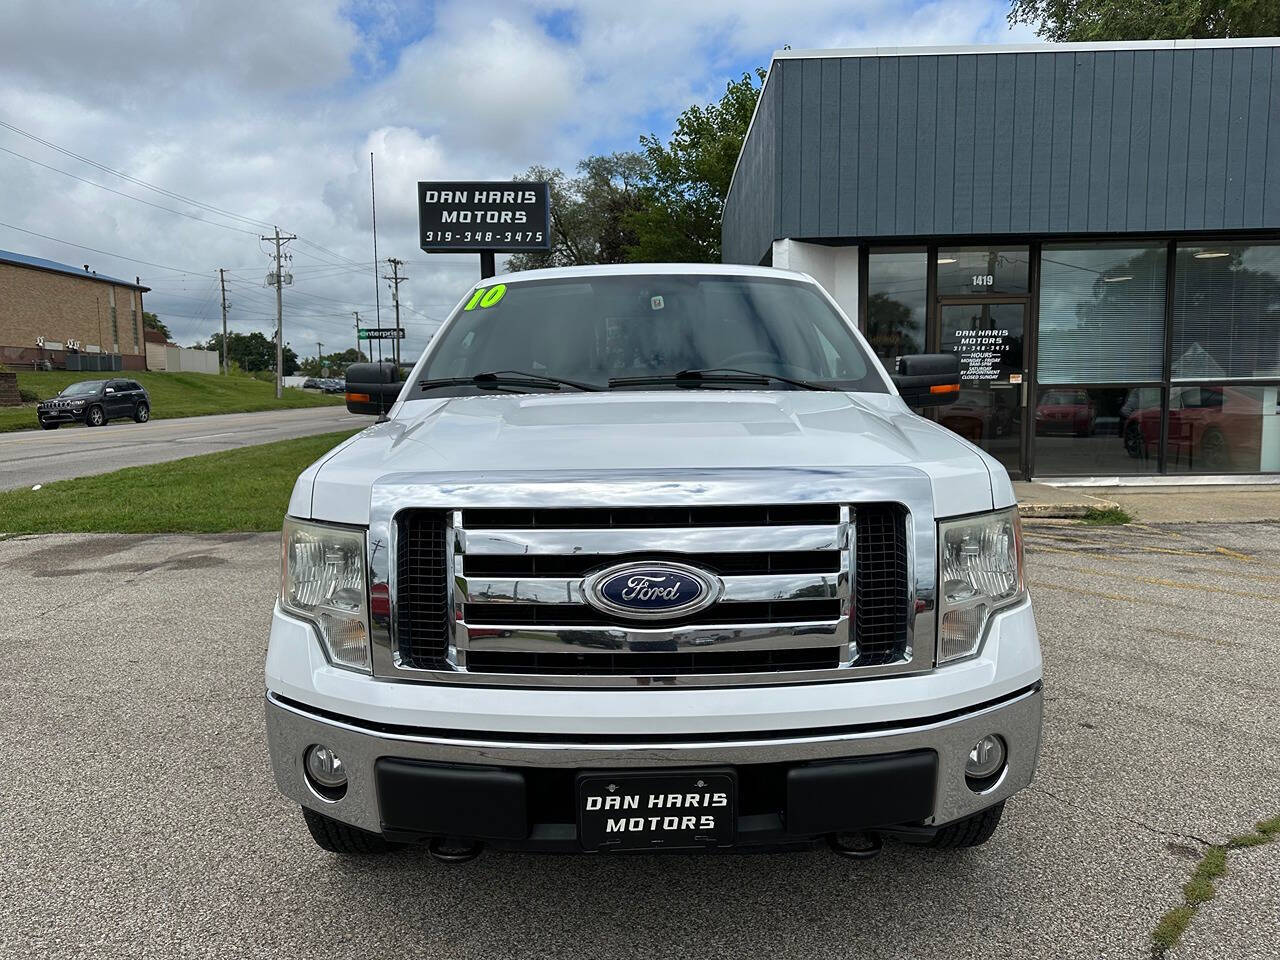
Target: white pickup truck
[(651, 558)]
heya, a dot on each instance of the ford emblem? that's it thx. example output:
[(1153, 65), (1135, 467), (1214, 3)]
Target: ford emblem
[(652, 591)]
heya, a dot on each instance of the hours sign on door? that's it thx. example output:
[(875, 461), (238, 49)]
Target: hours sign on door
[(981, 352), (505, 217)]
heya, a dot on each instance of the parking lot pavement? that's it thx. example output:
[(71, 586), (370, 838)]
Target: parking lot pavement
[(1234, 925), (29, 457), (138, 817)]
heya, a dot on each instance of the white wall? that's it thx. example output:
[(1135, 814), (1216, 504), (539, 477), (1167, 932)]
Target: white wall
[(161, 356), (836, 268), (156, 356)]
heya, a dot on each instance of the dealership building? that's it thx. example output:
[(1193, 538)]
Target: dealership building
[(1094, 228)]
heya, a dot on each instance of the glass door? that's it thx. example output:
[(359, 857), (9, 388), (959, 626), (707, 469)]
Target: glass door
[(989, 336)]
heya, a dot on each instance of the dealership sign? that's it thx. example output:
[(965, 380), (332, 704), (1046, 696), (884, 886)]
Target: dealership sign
[(475, 217), (380, 333)]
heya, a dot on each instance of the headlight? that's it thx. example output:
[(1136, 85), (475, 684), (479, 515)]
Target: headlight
[(980, 571), (323, 580), (77, 403)]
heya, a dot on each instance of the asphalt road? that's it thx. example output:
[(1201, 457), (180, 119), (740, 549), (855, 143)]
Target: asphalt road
[(138, 817), (41, 456)]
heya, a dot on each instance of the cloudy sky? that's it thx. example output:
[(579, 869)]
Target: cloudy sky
[(266, 113)]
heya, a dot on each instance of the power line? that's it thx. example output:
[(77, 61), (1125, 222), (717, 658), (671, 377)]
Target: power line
[(332, 253), (105, 253), (124, 176), (127, 196)]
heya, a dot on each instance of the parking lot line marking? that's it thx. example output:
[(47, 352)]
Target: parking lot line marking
[(1120, 558), (1082, 591), (1162, 582), (1209, 551)]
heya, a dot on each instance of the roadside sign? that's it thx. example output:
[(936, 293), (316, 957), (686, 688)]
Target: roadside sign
[(475, 216), (386, 333)]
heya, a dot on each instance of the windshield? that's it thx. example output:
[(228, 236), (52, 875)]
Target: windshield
[(596, 329), (82, 389)]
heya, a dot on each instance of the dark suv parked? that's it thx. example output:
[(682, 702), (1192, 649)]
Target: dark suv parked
[(94, 402)]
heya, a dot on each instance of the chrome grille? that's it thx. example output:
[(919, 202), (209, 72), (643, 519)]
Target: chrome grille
[(515, 603)]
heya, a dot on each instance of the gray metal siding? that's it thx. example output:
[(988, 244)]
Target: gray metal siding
[(1099, 141), (752, 212)]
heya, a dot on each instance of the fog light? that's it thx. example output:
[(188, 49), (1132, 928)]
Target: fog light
[(986, 758), (326, 771)]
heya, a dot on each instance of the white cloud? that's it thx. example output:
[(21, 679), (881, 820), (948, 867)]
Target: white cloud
[(495, 84), (271, 110)]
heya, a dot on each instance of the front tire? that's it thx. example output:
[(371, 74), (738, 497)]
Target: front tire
[(142, 413), (94, 417), (1135, 443), (972, 831), (340, 838), (1215, 455)]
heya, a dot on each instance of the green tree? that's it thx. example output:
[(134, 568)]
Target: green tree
[(891, 327), (253, 352), (688, 178), (588, 212), (1091, 20), (336, 362), (151, 322)]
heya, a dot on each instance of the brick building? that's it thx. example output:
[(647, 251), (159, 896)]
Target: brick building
[(71, 309)]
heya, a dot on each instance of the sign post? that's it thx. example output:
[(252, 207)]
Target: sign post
[(487, 218)]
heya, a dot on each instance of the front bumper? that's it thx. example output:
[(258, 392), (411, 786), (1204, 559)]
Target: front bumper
[(61, 415), (534, 775)]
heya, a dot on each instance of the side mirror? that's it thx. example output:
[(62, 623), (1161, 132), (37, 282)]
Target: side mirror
[(110, 390), (928, 379), (372, 387)]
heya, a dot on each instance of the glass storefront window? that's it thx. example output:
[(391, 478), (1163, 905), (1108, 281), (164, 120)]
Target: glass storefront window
[(1083, 431), (1102, 313), (982, 270), (896, 302), (1224, 428), (1226, 312)]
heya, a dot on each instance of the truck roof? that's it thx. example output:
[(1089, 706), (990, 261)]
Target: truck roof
[(634, 269)]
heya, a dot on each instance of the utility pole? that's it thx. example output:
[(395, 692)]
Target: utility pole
[(222, 279), (320, 357), (396, 280), (278, 280), (356, 314)]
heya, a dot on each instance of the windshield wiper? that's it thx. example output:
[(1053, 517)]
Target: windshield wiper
[(507, 378), (716, 375)]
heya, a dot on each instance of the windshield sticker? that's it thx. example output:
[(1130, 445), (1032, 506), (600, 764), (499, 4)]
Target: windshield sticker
[(655, 303), (486, 296)]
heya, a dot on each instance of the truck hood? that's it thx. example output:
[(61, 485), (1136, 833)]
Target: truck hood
[(487, 437)]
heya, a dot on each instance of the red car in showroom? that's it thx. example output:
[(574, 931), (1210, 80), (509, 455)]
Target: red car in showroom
[(1212, 429), (1066, 411)]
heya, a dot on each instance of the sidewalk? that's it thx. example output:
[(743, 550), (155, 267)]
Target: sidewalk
[(1242, 503)]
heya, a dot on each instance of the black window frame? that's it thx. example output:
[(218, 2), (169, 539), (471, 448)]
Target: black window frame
[(1171, 240)]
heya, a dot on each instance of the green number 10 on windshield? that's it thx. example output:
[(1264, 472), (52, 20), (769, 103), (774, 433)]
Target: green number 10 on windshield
[(486, 296)]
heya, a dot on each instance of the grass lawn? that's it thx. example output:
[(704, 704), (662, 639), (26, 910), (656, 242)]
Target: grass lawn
[(172, 394), (244, 489)]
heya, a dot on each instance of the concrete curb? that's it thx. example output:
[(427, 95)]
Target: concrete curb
[(1072, 510)]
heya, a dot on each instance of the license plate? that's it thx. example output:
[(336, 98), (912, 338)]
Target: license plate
[(647, 811)]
